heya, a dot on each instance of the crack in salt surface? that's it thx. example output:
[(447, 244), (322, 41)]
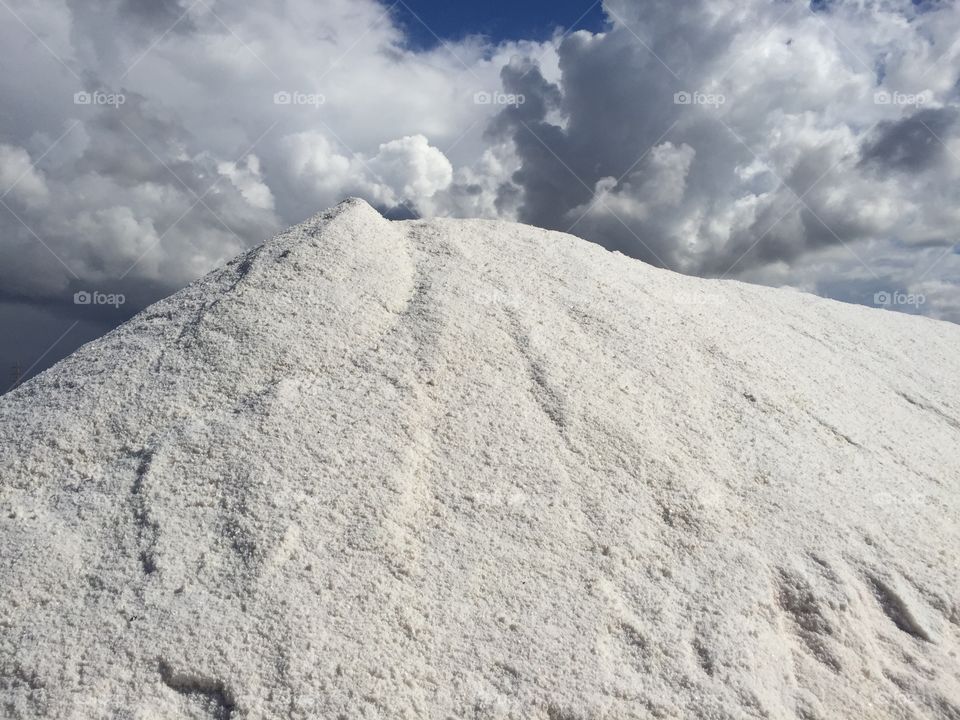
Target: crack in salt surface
[(146, 529), (548, 398)]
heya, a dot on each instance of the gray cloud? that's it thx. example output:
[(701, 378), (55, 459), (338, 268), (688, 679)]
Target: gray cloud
[(162, 14), (781, 168), (914, 143)]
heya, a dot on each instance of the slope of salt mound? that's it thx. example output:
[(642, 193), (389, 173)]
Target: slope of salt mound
[(464, 469)]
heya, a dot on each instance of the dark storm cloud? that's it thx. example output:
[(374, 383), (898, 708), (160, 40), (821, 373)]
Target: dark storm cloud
[(914, 143), (133, 144), (33, 337), (159, 12), (547, 183), (162, 14)]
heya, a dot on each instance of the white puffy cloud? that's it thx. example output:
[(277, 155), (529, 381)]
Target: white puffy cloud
[(19, 179), (405, 170), (314, 162), (410, 169), (246, 177)]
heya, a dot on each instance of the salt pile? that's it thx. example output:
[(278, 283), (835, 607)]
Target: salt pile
[(469, 469)]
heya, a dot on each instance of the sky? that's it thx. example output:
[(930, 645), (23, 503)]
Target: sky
[(428, 23), (811, 146)]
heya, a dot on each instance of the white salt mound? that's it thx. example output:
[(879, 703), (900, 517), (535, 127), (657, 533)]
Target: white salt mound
[(464, 469)]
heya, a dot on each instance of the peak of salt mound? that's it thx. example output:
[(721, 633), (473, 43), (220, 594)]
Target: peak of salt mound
[(474, 469)]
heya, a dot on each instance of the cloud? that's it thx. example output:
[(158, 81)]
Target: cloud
[(404, 171), (410, 169), (178, 154), (247, 178), (157, 14), (748, 139), (914, 143), (20, 180)]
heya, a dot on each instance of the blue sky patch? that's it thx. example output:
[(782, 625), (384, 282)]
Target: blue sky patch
[(427, 20)]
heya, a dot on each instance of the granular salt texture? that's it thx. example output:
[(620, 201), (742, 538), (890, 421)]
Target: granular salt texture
[(469, 469)]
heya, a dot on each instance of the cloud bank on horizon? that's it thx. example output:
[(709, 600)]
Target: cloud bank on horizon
[(813, 145)]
